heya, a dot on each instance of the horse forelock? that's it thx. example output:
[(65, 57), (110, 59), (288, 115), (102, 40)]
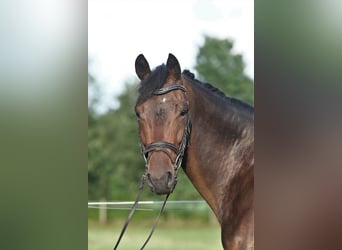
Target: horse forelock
[(153, 82)]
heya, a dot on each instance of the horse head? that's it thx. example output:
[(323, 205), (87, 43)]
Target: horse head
[(162, 113)]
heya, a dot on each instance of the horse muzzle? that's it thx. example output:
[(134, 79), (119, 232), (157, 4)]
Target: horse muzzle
[(163, 185)]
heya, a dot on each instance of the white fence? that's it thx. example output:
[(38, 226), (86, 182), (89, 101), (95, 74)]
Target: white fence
[(191, 206)]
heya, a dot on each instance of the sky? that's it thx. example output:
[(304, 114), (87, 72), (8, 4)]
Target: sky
[(120, 30)]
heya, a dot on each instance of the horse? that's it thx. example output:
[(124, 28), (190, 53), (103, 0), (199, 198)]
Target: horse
[(186, 123)]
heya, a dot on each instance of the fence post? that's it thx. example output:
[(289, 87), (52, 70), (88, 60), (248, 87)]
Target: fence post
[(103, 213)]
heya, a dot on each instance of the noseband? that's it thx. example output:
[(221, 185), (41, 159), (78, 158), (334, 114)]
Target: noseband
[(164, 145), (160, 146)]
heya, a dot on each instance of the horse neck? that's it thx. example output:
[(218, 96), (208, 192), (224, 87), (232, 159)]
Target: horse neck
[(216, 128)]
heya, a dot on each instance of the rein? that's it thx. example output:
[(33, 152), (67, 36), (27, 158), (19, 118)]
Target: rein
[(159, 146)]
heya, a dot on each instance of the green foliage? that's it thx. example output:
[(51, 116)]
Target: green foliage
[(94, 94), (216, 63), (114, 161)]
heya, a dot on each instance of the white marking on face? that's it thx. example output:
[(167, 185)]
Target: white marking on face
[(164, 100)]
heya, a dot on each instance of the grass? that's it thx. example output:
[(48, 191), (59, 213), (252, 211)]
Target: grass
[(180, 236)]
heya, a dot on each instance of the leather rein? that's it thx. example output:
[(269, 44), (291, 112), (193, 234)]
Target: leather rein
[(147, 150)]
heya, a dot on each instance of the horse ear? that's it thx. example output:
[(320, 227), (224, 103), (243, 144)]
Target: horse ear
[(173, 67), (141, 67)]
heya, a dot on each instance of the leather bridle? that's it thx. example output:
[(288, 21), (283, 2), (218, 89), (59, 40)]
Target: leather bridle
[(148, 149)]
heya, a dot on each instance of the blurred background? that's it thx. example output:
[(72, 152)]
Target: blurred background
[(213, 39)]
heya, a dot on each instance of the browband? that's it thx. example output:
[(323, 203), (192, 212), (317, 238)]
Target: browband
[(168, 89)]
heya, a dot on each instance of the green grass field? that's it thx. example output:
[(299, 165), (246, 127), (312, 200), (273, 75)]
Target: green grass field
[(165, 237)]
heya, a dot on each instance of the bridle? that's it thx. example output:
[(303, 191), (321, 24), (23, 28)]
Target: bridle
[(147, 150)]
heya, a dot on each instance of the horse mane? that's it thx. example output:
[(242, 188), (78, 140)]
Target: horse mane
[(216, 91), (158, 76)]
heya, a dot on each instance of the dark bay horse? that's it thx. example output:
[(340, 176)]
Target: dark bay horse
[(184, 122)]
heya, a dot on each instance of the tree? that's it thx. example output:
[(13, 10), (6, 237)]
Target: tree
[(113, 151), (94, 93), (217, 64)]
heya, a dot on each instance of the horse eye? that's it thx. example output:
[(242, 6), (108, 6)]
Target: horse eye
[(137, 114), (184, 112)]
